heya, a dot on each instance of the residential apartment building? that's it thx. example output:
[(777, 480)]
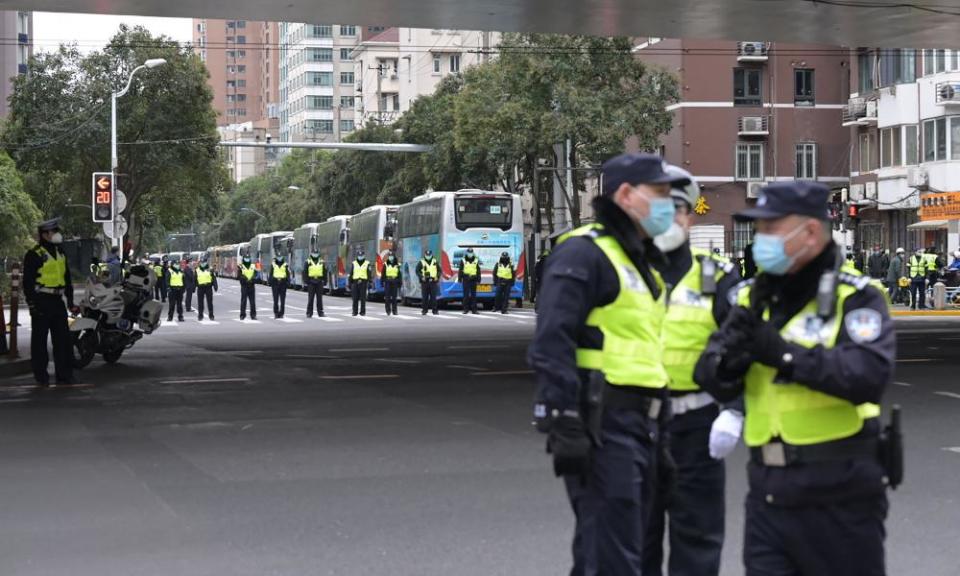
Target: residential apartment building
[(904, 118), (751, 113), (244, 162), (15, 53), (317, 81)]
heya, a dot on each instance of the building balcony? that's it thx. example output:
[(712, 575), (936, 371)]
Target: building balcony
[(752, 51), (753, 126), (948, 93), (860, 112)]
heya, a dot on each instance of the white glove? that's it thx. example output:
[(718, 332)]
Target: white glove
[(725, 433)]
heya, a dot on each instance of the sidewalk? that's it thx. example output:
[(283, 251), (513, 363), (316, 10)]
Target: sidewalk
[(10, 368)]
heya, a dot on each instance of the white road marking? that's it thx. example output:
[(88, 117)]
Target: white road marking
[(240, 352), (208, 323), (247, 321), (444, 316), (904, 384), (503, 373), (329, 319), (360, 377), (402, 317), (398, 361), (171, 324), (948, 394), (478, 347), (311, 356), (289, 320), (913, 360), (368, 318), (357, 349), (466, 367), (205, 381), (954, 449), (480, 317)]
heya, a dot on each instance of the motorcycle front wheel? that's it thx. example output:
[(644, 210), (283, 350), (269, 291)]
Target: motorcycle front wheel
[(112, 356), (84, 348)]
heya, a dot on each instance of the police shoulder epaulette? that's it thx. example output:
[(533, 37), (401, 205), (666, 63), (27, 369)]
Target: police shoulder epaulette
[(857, 281)]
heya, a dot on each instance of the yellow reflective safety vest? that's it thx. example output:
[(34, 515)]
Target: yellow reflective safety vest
[(360, 271), (176, 279), (391, 271), (931, 260), (53, 272), (315, 269), (918, 265), (247, 271), (504, 272), (470, 269), (280, 272), (429, 268), (632, 325), (689, 324), (158, 270), (798, 414), (204, 277)]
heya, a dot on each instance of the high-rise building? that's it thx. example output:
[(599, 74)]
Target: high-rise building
[(15, 54)]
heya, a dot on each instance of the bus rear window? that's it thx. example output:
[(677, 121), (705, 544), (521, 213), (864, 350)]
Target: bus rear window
[(483, 213)]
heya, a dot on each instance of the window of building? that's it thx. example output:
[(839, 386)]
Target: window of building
[(319, 79), (742, 236), (806, 160), (241, 39), (454, 63), (231, 53), (346, 125), (321, 31), (241, 53), (242, 83), (936, 61), (865, 72), (935, 140), (891, 151), (896, 67), (911, 145), (803, 87), (241, 69), (346, 78), (865, 164), (348, 30), (955, 138), (746, 87), (375, 29), (23, 23), (320, 54), (437, 65), (320, 102), (345, 54), (749, 161), (346, 102)]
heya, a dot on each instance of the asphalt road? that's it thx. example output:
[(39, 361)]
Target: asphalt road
[(397, 446)]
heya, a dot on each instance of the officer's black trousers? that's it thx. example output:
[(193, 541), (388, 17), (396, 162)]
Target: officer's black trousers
[(358, 292), (314, 294), (612, 504), (189, 293), (470, 294), (205, 293), (842, 538), (502, 300), (176, 300), (391, 288), (248, 293), (692, 506), (160, 290), (428, 297), (918, 293), (50, 316), (279, 299)]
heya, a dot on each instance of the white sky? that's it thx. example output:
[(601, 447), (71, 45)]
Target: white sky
[(93, 31)]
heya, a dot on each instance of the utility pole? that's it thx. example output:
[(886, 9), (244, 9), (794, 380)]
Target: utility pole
[(379, 69)]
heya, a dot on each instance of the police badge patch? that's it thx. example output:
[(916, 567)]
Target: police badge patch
[(863, 325)]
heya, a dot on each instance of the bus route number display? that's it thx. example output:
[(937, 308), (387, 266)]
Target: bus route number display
[(102, 197)]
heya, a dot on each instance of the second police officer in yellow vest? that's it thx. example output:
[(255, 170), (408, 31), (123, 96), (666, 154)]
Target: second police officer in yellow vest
[(469, 278), (504, 276), (811, 346), (428, 273), (206, 285), (248, 287), (279, 281), (176, 284), (391, 278), (315, 278), (359, 277)]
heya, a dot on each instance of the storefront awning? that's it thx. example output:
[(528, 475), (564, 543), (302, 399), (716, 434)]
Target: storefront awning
[(928, 225)]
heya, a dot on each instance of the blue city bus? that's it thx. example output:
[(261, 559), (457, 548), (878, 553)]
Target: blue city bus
[(263, 248), (332, 242), (450, 222), (373, 230), (304, 241)]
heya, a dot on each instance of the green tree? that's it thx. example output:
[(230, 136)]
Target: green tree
[(17, 211)]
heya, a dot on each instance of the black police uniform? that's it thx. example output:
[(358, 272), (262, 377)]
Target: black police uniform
[(279, 288), (205, 295), (175, 296), (504, 286), (823, 512), (189, 284), (429, 288), (314, 286), (248, 292), (48, 313), (469, 283), (694, 502), (391, 287), (359, 288)]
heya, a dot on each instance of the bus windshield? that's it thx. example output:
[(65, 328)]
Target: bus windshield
[(483, 212)]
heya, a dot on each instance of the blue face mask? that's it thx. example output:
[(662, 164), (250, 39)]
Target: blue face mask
[(662, 212), (770, 252)]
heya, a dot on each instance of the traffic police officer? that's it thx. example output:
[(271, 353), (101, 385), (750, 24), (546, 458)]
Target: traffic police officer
[(428, 272), (918, 280), (279, 281), (206, 285), (315, 278), (359, 280), (469, 278), (159, 289), (176, 293), (697, 282), (599, 336), (812, 347), (190, 282), (46, 281), (504, 275), (248, 289), (391, 282)]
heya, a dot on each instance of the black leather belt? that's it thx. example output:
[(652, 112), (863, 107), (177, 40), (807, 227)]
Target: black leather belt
[(780, 454), (650, 401)]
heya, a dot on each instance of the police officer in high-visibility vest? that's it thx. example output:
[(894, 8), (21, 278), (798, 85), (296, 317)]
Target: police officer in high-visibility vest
[(279, 282), (358, 277), (812, 348), (160, 288), (189, 282), (248, 288), (917, 267), (504, 276), (469, 278), (390, 276), (597, 351), (46, 282), (206, 286), (177, 281), (701, 432), (315, 278), (933, 265), (428, 273)]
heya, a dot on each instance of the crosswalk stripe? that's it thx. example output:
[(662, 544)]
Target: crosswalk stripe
[(368, 318), (247, 321), (402, 317), (289, 320), (208, 323)]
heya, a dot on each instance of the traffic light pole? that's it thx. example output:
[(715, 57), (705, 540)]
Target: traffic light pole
[(114, 162)]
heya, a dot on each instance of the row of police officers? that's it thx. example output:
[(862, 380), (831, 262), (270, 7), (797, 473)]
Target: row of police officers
[(652, 358)]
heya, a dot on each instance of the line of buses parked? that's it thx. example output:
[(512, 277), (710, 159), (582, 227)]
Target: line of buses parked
[(448, 223)]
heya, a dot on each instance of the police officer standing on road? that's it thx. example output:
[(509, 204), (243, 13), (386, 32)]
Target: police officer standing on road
[(248, 288), (159, 289), (504, 275), (811, 346), (469, 278), (206, 286), (428, 272), (176, 293), (597, 352), (918, 280), (190, 282), (359, 280), (315, 278), (391, 282), (279, 281), (46, 281), (698, 282)]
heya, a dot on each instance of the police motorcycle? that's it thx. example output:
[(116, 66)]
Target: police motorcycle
[(114, 318)]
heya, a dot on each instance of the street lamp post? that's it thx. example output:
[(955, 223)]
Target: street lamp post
[(252, 211), (114, 162)]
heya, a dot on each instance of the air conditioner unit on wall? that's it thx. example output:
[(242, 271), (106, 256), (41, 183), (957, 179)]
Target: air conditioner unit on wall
[(753, 188), (870, 191), (917, 177), (948, 92), (856, 192)]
